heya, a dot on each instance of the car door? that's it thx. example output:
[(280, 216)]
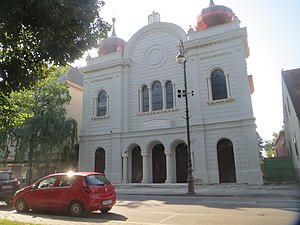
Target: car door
[(64, 192), (42, 195)]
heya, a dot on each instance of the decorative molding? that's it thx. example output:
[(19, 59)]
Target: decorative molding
[(152, 31), (103, 79), (100, 117), (214, 102), (99, 69), (157, 112), (155, 123), (214, 55), (103, 66), (155, 56)]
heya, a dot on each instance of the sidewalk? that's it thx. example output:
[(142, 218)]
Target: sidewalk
[(221, 190)]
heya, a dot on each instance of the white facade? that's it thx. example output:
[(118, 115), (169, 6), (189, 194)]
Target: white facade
[(290, 97), (131, 138)]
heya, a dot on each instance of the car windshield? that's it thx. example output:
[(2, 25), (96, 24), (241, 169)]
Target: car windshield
[(97, 180), (4, 176)]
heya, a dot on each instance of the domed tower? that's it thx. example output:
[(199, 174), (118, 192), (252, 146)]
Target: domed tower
[(214, 15), (216, 64), (112, 44)]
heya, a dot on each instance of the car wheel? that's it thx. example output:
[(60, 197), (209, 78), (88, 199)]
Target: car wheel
[(106, 210), (76, 209), (21, 206)]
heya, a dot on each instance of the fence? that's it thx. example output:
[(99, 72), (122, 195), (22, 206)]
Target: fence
[(279, 169)]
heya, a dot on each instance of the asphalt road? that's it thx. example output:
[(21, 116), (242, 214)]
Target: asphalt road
[(178, 210)]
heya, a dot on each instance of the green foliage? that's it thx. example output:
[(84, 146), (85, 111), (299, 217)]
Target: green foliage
[(46, 134), (9, 115), (10, 222), (38, 33), (267, 147), (260, 145), (45, 130)]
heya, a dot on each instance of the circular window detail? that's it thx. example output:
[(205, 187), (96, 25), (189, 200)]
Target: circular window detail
[(155, 56)]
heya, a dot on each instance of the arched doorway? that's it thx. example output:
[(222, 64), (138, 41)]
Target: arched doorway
[(137, 165), (226, 161), (100, 160), (159, 164), (181, 163)]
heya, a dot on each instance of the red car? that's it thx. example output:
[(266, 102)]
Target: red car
[(76, 193)]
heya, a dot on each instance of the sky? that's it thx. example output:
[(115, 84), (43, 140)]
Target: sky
[(273, 37)]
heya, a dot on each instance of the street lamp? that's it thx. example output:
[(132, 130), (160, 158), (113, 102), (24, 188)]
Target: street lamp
[(180, 59)]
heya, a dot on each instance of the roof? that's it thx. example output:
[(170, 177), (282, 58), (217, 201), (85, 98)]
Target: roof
[(77, 173), (112, 44), (214, 15), (74, 76), (291, 79), (84, 174)]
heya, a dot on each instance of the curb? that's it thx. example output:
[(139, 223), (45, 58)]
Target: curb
[(279, 191), (211, 195)]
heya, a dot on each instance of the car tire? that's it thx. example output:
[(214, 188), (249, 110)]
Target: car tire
[(21, 206), (76, 209), (106, 210)]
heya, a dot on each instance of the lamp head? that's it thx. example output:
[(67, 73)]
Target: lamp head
[(180, 59)]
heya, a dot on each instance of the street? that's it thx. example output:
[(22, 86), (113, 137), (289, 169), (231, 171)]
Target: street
[(141, 209)]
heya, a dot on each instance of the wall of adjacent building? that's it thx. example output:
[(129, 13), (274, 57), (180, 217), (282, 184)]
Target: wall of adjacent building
[(291, 129)]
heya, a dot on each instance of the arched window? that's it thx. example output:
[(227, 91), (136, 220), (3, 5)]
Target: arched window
[(145, 99), (157, 100), (169, 95), (102, 104), (218, 84)]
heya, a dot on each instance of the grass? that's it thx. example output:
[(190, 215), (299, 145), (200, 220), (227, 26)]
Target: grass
[(9, 222)]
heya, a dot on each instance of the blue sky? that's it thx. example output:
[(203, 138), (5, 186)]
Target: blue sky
[(273, 38)]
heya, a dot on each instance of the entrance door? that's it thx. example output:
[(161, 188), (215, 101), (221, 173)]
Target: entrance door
[(137, 165), (226, 162), (181, 163), (100, 160), (159, 164)]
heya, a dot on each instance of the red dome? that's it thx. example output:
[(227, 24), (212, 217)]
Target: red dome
[(214, 15), (112, 44)]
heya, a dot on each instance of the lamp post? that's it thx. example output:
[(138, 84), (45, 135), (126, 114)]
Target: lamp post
[(180, 59)]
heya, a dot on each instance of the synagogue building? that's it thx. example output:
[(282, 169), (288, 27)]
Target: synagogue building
[(133, 125)]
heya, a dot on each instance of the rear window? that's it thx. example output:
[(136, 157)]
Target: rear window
[(97, 180)]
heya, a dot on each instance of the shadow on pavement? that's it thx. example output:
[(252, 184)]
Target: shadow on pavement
[(92, 217), (4, 207)]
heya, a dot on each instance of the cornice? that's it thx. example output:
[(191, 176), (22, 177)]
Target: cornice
[(201, 41), (105, 66)]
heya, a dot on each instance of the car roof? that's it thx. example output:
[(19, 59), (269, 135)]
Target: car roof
[(83, 174), (5, 172)]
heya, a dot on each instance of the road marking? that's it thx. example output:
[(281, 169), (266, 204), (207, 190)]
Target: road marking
[(168, 218)]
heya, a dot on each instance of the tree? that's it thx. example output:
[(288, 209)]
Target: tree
[(46, 130), (260, 146), (269, 148), (37, 33)]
